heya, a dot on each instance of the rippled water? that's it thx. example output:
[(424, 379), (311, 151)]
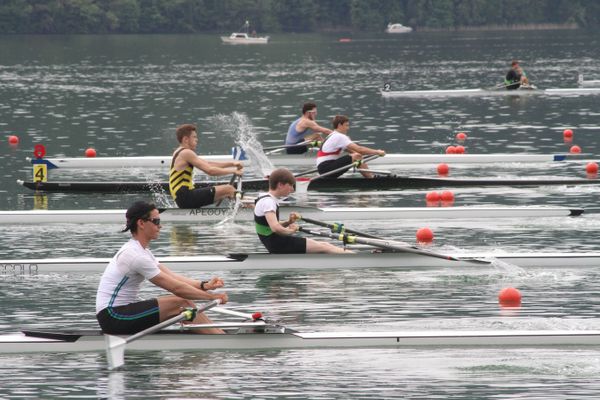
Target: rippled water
[(123, 95)]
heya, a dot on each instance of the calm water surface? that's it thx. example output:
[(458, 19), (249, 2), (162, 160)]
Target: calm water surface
[(123, 95)]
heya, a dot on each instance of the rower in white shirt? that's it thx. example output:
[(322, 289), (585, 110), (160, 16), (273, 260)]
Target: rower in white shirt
[(330, 155)]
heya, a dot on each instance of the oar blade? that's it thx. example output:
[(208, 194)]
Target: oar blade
[(115, 351)]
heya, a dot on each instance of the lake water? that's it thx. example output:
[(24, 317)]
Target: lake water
[(124, 96)]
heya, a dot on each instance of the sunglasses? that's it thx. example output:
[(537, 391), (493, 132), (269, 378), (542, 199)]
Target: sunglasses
[(155, 221)]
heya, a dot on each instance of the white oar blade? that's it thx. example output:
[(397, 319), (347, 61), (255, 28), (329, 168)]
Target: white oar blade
[(302, 185), (115, 351)]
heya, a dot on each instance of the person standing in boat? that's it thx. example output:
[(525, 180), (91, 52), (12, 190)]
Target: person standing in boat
[(181, 184), (330, 156), (515, 77), (277, 236), (303, 129), (119, 309)]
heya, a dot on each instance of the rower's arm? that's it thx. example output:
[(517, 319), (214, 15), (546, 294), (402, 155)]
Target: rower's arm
[(185, 290), (206, 167), (312, 125), (213, 283), (355, 148), (226, 164), (277, 227)]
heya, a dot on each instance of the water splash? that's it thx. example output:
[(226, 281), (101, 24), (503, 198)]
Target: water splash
[(238, 126)]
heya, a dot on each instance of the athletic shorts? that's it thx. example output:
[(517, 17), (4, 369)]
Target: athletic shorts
[(195, 198), (331, 165), (279, 244), (130, 318), (296, 150)]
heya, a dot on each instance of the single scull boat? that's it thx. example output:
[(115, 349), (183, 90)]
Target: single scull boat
[(317, 262), (303, 161), (213, 213), (352, 183)]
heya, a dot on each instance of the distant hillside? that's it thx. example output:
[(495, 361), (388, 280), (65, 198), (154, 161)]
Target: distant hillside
[(181, 16)]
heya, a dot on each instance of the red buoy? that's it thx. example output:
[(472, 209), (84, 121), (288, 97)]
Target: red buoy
[(575, 149), (591, 168), (461, 136), (424, 235), (90, 152), (460, 149), (450, 150), (568, 134), (443, 169), (12, 139), (432, 196), (447, 196), (509, 297)]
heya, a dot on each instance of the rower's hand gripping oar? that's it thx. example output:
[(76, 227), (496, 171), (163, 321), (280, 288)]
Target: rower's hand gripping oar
[(115, 345)]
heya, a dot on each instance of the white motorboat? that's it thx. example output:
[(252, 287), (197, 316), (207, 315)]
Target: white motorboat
[(244, 38), (397, 28)]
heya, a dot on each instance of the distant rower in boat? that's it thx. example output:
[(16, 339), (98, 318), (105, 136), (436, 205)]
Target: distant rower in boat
[(275, 235), (181, 184), (303, 129), (330, 156), (515, 77), (119, 309)]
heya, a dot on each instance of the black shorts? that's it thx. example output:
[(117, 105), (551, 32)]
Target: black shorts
[(130, 318), (330, 165), (195, 198), (279, 244), (296, 150)]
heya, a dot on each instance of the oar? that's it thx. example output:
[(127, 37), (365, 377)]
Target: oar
[(231, 183), (115, 345), (338, 228), (311, 143), (390, 245)]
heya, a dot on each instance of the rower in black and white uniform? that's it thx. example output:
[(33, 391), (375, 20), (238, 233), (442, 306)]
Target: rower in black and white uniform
[(330, 155), (275, 235)]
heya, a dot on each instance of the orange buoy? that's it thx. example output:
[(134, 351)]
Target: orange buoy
[(424, 235), (568, 134), (509, 297), (447, 196), (432, 196), (460, 149), (461, 136), (443, 169), (575, 149), (591, 168), (13, 139), (90, 152), (450, 150)]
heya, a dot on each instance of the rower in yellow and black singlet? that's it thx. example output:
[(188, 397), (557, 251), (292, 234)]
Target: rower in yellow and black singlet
[(181, 183), (277, 236)]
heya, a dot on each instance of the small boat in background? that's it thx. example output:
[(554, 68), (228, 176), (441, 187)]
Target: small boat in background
[(398, 28), (245, 37), (592, 83)]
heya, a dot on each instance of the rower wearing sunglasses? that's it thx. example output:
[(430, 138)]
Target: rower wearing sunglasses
[(119, 309)]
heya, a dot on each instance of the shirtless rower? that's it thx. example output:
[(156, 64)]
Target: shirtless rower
[(181, 184)]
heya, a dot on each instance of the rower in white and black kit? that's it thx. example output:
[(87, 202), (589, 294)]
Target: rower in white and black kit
[(330, 156), (277, 236)]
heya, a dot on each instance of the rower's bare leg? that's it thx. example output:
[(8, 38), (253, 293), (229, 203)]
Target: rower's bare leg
[(170, 306), (357, 156), (368, 175), (224, 191), (314, 246)]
